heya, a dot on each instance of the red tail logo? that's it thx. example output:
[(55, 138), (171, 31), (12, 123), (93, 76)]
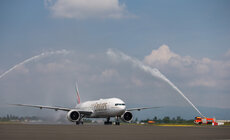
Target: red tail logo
[(78, 96)]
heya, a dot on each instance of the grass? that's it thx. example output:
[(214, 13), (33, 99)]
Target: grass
[(175, 125), (9, 122)]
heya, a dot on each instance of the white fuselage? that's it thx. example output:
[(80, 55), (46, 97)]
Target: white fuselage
[(103, 108)]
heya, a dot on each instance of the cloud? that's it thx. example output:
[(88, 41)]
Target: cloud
[(84, 9), (161, 55), (52, 67), (109, 73), (227, 54), (22, 69), (203, 82), (105, 76), (137, 82), (203, 72)]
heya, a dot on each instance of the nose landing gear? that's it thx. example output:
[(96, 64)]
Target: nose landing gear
[(117, 121), (108, 122)]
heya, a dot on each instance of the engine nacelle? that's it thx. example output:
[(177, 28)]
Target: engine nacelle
[(127, 116), (73, 116)]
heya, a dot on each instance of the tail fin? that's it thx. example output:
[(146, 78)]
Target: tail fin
[(78, 96)]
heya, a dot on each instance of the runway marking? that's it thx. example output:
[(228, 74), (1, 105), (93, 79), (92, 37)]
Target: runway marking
[(179, 125)]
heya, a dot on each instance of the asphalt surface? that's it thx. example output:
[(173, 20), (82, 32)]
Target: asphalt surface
[(99, 132)]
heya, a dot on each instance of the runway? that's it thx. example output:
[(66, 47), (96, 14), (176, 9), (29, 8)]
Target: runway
[(99, 132)]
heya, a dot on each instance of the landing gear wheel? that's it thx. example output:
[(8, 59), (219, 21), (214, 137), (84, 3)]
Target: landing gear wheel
[(107, 123), (79, 122), (117, 123)]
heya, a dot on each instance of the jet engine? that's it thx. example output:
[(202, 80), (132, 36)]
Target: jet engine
[(127, 116), (73, 116)]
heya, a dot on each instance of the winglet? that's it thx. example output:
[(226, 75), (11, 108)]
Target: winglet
[(78, 96)]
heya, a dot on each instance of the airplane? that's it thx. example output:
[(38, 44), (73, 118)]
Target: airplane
[(102, 108)]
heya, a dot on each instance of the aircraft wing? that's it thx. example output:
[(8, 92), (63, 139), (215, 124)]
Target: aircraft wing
[(141, 108), (55, 108)]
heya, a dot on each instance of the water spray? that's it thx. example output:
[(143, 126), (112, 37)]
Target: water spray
[(153, 71), (44, 54)]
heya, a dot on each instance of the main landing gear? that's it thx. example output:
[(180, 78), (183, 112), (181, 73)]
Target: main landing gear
[(80, 121)]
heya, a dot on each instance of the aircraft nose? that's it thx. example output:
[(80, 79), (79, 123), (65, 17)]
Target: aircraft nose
[(122, 108)]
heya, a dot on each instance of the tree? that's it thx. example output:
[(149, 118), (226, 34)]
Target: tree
[(155, 118), (166, 119)]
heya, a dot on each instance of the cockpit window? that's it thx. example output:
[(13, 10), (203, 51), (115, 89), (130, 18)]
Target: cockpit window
[(119, 104)]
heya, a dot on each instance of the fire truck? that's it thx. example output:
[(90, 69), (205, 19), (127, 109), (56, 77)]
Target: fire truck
[(200, 120)]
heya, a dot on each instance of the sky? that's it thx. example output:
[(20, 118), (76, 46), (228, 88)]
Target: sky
[(188, 41)]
